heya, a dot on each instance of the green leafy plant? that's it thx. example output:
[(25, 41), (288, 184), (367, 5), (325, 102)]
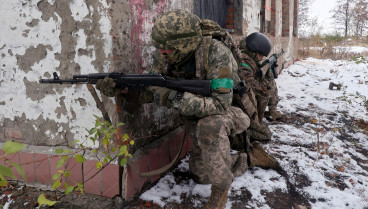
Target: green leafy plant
[(111, 147), (6, 172)]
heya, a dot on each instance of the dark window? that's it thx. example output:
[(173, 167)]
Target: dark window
[(265, 16), (215, 10)]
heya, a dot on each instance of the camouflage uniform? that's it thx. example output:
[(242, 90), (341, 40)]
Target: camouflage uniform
[(269, 97), (186, 53), (252, 101), (213, 118)]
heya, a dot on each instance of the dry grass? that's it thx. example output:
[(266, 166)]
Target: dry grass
[(335, 48)]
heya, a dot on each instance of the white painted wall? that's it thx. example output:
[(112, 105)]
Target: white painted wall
[(16, 37)]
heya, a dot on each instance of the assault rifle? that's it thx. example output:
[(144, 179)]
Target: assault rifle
[(135, 82), (272, 61)]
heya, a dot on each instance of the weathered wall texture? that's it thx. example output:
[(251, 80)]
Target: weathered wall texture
[(251, 16), (70, 37), (36, 39), (132, 22)]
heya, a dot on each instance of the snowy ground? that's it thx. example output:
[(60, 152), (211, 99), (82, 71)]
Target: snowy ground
[(321, 143), (346, 49)]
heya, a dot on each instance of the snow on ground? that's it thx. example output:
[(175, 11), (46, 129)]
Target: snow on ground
[(321, 149), (346, 49)]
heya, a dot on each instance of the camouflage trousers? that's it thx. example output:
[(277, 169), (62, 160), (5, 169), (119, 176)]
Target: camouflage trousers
[(210, 161), (258, 130), (271, 100)]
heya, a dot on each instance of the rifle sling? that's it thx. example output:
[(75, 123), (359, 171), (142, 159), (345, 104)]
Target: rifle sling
[(174, 161), (100, 105)]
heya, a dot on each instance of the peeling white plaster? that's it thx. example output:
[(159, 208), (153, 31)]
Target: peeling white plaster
[(79, 10), (105, 25), (251, 15), (12, 86), (81, 36)]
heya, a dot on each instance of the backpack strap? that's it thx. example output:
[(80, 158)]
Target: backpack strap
[(206, 51)]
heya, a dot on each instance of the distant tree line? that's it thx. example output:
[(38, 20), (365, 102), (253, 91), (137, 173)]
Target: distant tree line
[(350, 17)]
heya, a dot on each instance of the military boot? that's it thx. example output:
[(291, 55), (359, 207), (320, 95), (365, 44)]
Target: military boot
[(259, 158), (275, 114), (218, 198)]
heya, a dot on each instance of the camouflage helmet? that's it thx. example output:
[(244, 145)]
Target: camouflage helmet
[(257, 43), (177, 29)]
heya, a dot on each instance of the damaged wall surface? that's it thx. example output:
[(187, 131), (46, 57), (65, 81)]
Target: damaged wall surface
[(39, 37), (72, 37), (80, 37), (36, 39)]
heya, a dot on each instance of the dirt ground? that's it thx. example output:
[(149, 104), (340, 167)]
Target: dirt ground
[(25, 197)]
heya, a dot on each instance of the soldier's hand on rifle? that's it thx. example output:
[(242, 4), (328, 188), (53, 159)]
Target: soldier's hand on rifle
[(108, 87), (163, 96)]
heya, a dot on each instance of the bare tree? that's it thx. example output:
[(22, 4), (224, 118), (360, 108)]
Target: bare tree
[(360, 17), (342, 14), (303, 17)]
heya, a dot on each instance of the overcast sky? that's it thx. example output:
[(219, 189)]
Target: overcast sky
[(321, 9)]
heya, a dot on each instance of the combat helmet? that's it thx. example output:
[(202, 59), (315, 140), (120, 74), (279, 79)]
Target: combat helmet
[(257, 43), (178, 30)]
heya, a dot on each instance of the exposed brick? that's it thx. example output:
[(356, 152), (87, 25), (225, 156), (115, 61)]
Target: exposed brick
[(132, 180), (15, 159), (26, 162), (42, 168), (93, 185), (175, 145), (76, 174), (154, 162), (143, 168), (110, 180), (164, 153)]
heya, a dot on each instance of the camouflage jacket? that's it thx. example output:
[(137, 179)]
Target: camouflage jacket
[(221, 64), (251, 74)]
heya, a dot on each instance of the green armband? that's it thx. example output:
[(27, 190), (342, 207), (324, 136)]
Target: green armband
[(245, 64), (222, 83)]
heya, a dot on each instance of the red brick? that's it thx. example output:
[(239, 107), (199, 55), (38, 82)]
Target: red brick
[(131, 180), (42, 168), (143, 168), (93, 185), (186, 147), (53, 164), (76, 175), (164, 153), (26, 162), (154, 162), (175, 145), (110, 181), (15, 159)]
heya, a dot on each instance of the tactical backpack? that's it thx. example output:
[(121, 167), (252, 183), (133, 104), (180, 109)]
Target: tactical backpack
[(212, 30)]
